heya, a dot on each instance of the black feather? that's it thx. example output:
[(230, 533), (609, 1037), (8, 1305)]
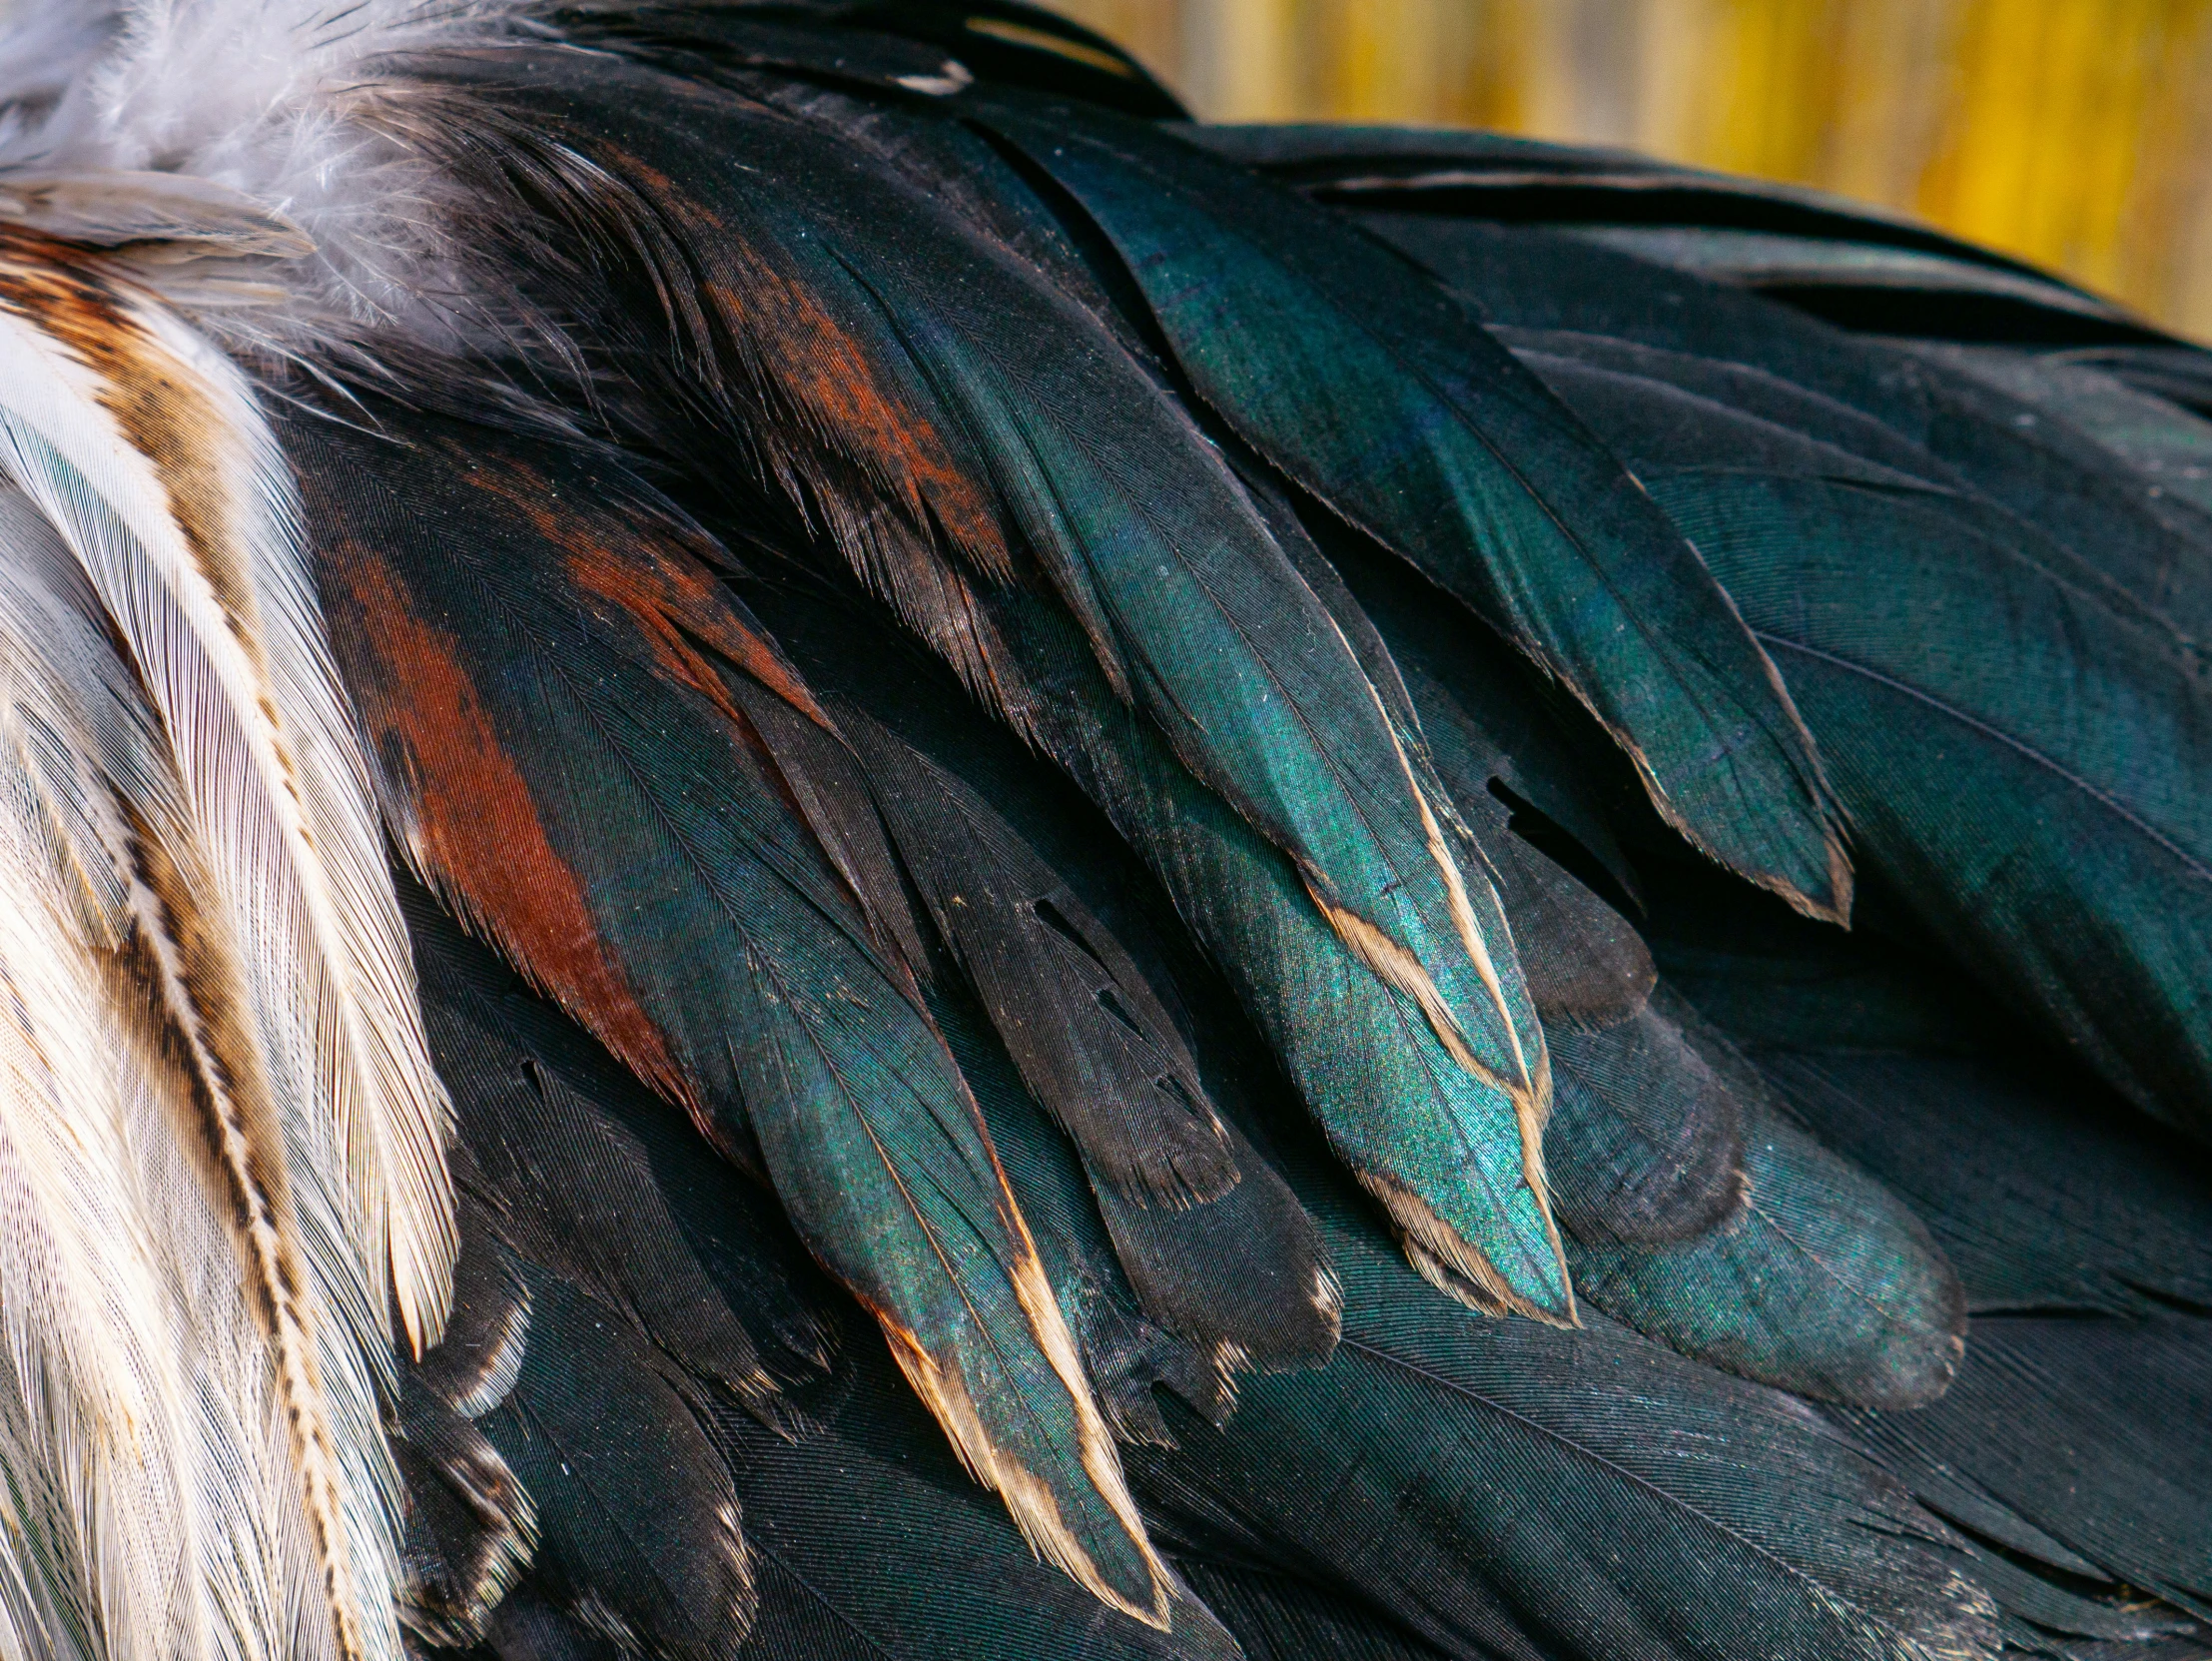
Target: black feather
[(868, 1542), (1091, 1040), (554, 1154), (1647, 1141), (2071, 1426), (1278, 1617), (638, 1522), (1485, 1481), (2041, 1191)]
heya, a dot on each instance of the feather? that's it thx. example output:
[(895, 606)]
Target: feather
[(1767, 977), (1279, 1618), (2110, 472), (742, 38), (1483, 1476), (2044, 1197), (550, 1154), (157, 1482), (1494, 743), (565, 766), (472, 1525), (201, 123), (1650, 1140), (2067, 516), (95, 1416), (2068, 1424), (847, 1477), (2043, 1617), (1648, 1167), (1896, 432), (1579, 962), (1943, 414), (638, 1528), (580, 1188), (1247, 303), (1504, 177), (1855, 263), (1826, 1284), (898, 47), (287, 978), (1531, 277), (1090, 1036), (2171, 371), (1856, 280), (472, 1529), (1951, 427), (873, 1487), (2071, 729), (1235, 1271), (1273, 711), (1418, 1126), (530, 1628), (1027, 45), (1238, 1284), (1371, 1069)]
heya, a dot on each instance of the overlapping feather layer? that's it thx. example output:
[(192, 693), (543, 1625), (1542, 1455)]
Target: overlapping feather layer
[(224, 1139)]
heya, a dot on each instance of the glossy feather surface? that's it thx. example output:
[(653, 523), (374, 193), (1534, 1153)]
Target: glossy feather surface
[(814, 843)]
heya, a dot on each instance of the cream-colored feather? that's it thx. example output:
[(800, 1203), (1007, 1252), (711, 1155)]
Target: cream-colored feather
[(139, 1496), (262, 919)]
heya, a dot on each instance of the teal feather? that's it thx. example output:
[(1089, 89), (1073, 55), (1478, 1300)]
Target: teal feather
[(1825, 1284), (1185, 603), (1581, 961), (1501, 752), (538, 715), (1232, 1266), (2078, 431), (1471, 1463), (1369, 1067), (1435, 444), (1436, 1142), (2048, 823)]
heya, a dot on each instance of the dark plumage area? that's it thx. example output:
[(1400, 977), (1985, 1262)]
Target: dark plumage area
[(1089, 679), (1202, 892)]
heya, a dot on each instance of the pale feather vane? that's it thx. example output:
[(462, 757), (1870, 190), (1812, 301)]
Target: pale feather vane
[(142, 1426), (290, 978), (234, 133), (255, 895)]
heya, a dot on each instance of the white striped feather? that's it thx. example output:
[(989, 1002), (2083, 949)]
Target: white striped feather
[(284, 965), (151, 1509)]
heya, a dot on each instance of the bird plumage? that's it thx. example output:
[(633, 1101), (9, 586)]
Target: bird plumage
[(724, 728)]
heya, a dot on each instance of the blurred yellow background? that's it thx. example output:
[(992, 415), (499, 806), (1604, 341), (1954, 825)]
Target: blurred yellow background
[(2077, 133)]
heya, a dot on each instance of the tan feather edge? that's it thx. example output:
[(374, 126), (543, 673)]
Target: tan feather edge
[(1031, 1503)]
